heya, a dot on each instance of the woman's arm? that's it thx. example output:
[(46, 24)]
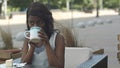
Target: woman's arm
[(27, 53), (56, 57)]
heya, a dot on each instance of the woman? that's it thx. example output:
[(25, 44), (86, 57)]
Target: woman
[(51, 52)]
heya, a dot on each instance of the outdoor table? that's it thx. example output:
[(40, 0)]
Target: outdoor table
[(37, 66), (96, 61), (27, 66)]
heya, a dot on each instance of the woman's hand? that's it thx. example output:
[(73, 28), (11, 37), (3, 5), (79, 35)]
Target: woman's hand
[(29, 42), (43, 37), (32, 44), (39, 44)]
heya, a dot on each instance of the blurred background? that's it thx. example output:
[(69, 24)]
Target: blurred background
[(8, 6), (83, 23)]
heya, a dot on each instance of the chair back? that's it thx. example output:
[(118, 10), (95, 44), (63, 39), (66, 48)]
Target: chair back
[(74, 56)]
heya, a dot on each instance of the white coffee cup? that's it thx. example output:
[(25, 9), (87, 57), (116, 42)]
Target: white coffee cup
[(33, 34), (9, 63)]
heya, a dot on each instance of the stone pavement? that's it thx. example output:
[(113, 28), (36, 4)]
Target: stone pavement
[(98, 36), (103, 36)]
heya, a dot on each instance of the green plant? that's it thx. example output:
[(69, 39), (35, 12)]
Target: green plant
[(6, 38)]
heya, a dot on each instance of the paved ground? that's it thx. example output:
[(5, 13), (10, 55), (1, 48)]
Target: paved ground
[(103, 36), (98, 36)]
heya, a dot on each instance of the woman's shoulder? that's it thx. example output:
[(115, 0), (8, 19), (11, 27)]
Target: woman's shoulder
[(58, 34), (60, 41), (56, 31), (59, 37)]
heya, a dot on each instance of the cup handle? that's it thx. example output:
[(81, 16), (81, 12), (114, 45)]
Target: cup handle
[(25, 34)]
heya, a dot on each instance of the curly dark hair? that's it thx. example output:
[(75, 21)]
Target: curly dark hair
[(40, 10)]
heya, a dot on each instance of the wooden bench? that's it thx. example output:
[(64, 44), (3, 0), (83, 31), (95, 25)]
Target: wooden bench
[(8, 54)]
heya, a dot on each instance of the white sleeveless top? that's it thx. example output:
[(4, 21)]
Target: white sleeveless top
[(40, 55)]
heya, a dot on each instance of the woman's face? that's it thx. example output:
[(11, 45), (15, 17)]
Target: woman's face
[(35, 21)]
